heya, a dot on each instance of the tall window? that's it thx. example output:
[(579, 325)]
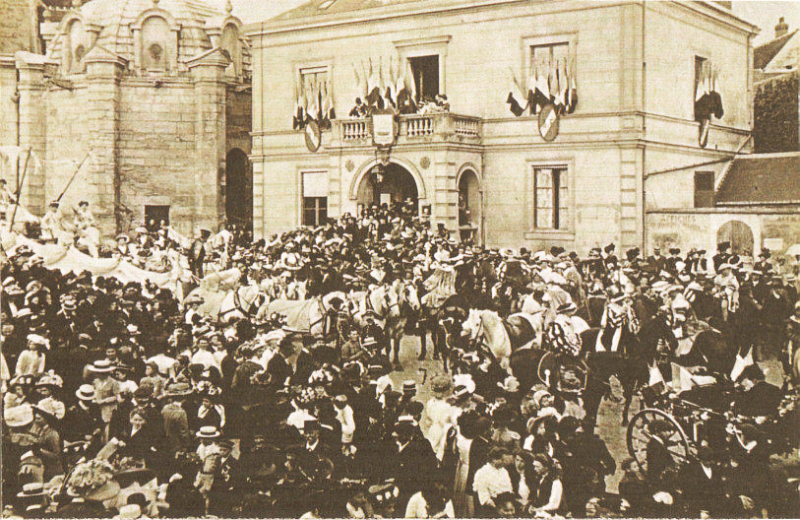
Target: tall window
[(699, 62), (551, 198), (545, 55), (154, 215), (426, 76), (315, 198), (312, 77), (703, 189)]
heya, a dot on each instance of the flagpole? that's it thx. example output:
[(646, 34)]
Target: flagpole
[(19, 190)]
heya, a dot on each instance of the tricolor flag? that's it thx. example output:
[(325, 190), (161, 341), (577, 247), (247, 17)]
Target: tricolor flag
[(361, 84), (330, 112), (411, 86), (312, 103), (563, 86), (572, 93), (373, 86), (325, 105), (515, 95), (552, 81), (389, 94), (537, 90), (299, 115)]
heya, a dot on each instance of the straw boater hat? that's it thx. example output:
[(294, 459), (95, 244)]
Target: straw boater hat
[(86, 393), (32, 489), (101, 366), (207, 432)]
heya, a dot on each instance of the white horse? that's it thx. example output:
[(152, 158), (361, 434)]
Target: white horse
[(310, 316), (501, 337), (242, 302)]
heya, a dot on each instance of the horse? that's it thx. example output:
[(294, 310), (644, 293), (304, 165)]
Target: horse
[(242, 302), (393, 304), (501, 337), (310, 316)]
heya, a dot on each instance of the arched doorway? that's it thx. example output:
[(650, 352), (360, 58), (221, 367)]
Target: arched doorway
[(470, 207), (389, 183), (738, 234), (239, 191)]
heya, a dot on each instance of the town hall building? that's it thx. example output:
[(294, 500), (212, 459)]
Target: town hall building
[(485, 157)]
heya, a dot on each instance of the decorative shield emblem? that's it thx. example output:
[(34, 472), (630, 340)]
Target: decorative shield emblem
[(548, 123), (383, 129), (313, 136)]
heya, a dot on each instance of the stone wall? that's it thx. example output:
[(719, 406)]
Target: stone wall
[(18, 31), (68, 132), (157, 149)]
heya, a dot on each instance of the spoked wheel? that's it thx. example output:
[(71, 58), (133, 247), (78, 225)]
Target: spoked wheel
[(639, 435)]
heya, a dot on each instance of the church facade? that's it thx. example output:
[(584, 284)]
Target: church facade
[(577, 178), (152, 97)]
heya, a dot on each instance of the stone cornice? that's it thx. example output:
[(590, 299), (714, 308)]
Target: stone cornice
[(211, 57), (99, 54)]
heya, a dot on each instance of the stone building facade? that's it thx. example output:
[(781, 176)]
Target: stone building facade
[(635, 114), (157, 93)]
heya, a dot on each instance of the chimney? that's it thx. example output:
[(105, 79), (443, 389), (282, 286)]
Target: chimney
[(782, 28)]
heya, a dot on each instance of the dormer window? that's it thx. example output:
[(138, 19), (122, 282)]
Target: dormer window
[(74, 47)]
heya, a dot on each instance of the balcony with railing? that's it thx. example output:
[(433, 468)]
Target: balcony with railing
[(415, 128)]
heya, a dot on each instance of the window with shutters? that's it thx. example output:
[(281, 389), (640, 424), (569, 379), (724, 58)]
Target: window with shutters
[(551, 198), (703, 189), (315, 198)]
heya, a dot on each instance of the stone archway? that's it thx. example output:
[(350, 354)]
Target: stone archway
[(738, 234), (239, 190), (391, 183), (470, 206)]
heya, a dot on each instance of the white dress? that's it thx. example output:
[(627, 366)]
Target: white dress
[(437, 419)]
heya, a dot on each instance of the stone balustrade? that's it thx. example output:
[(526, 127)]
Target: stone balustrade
[(411, 128)]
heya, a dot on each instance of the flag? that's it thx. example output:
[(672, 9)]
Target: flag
[(702, 95), (515, 95), (361, 84), (572, 94), (325, 105), (373, 86), (390, 96), (331, 111), (411, 85), (552, 81), (563, 85), (537, 91), (299, 115), (312, 103)]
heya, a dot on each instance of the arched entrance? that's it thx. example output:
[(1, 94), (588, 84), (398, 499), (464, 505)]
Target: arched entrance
[(738, 234), (470, 207), (239, 190), (390, 183)]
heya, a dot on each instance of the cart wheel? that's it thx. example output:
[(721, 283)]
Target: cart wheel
[(639, 435)]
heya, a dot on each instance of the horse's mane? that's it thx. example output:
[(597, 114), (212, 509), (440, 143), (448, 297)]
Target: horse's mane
[(441, 284)]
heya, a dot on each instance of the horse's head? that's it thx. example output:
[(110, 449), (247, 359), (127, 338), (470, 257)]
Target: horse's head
[(472, 325), (409, 296)]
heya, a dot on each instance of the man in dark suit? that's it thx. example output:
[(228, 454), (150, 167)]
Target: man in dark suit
[(278, 367), (415, 462), (227, 477), (722, 256), (657, 260), (705, 489), (197, 255)]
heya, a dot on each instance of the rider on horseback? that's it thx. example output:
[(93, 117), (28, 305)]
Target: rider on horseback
[(618, 324)]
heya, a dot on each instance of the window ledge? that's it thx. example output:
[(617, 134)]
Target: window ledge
[(550, 234)]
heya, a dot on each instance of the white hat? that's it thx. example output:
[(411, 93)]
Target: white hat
[(85, 393), (207, 432), (18, 416)]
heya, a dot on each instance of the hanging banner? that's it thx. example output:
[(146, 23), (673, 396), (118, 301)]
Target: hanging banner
[(313, 136)]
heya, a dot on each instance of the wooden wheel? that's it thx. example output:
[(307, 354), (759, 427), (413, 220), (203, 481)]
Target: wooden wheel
[(639, 436)]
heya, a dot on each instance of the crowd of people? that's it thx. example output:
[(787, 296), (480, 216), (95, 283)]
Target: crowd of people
[(120, 400)]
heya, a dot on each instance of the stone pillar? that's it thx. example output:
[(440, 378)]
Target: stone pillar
[(210, 91), (8, 101), (444, 203), (32, 126), (104, 70)]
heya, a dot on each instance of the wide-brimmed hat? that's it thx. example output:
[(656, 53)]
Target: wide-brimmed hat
[(441, 384), (409, 387), (18, 416), (86, 393), (207, 432), (178, 390), (194, 298), (124, 238), (32, 489), (93, 480), (101, 366)]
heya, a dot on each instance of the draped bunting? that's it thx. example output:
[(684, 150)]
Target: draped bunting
[(313, 102), (707, 101), (390, 89)]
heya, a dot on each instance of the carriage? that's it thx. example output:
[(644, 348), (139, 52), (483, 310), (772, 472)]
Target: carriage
[(706, 415)]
